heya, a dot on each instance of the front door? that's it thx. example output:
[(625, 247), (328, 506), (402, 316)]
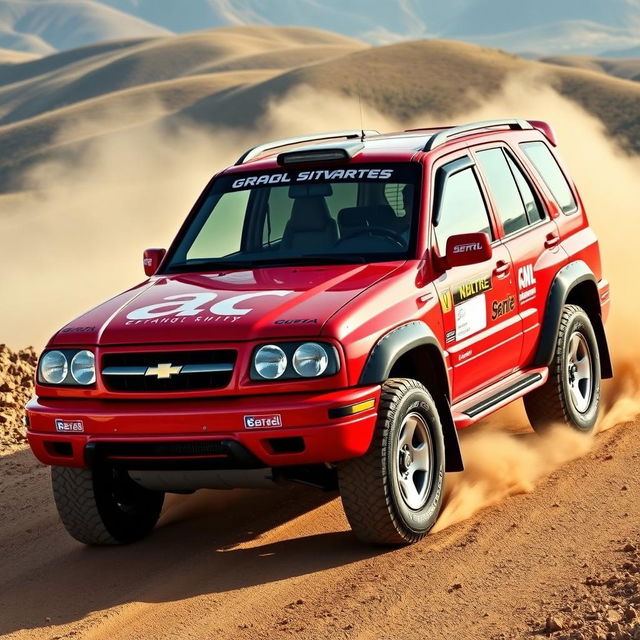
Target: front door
[(483, 330)]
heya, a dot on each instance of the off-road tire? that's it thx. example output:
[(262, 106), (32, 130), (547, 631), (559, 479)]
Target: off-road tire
[(552, 403), (369, 486), (103, 506)]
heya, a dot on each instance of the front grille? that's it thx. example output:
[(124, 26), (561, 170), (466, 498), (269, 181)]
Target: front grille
[(168, 370)]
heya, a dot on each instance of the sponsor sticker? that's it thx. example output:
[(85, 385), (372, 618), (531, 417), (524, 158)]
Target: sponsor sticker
[(526, 283), (501, 308), (311, 176), (446, 301), (471, 316), (526, 277), (69, 426), (263, 421), (467, 247), (450, 336), (471, 289)]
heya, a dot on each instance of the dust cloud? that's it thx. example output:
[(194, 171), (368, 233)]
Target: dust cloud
[(75, 235)]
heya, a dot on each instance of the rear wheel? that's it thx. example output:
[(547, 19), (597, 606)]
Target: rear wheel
[(103, 505), (571, 395), (393, 494)]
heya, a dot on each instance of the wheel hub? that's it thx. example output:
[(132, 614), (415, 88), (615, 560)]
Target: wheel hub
[(579, 372), (405, 459), (414, 462)]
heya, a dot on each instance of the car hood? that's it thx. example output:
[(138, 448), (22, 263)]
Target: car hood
[(230, 306)]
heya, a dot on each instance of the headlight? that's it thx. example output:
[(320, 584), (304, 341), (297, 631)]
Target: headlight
[(54, 367), (83, 367), (270, 362), (310, 360), (293, 361)]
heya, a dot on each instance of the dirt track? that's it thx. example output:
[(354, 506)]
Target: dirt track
[(283, 564)]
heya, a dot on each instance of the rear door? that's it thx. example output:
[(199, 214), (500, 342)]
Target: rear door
[(528, 232), (483, 332)]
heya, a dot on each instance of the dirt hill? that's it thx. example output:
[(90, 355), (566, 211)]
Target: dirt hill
[(16, 386)]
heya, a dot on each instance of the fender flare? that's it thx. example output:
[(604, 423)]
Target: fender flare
[(389, 349), (568, 278)]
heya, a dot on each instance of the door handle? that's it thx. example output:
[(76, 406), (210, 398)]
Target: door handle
[(502, 268), (551, 240)]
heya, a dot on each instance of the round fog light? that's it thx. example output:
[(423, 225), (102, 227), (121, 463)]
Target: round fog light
[(270, 361), (54, 367), (310, 360), (83, 367)]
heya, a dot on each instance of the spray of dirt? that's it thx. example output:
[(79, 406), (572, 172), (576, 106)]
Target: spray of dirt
[(77, 234)]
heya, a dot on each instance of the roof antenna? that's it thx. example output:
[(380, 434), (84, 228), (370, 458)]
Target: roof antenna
[(361, 116)]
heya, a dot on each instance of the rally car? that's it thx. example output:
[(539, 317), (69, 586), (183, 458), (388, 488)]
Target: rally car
[(333, 310)]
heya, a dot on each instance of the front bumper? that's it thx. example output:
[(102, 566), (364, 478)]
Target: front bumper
[(306, 434)]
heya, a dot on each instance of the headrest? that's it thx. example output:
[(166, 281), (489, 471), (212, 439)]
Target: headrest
[(315, 190), (309, 214)]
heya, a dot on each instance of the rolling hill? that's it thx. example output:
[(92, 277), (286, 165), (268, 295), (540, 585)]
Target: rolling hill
[(45, 26), (628, 68), (228, 77)]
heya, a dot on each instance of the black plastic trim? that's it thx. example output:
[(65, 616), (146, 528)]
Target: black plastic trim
[(502, 395), (570, 276), (170, 454)]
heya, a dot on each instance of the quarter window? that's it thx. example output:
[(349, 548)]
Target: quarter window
[(462, 208), (547, 166)]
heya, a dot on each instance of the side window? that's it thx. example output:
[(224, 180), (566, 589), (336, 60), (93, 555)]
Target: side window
[(344, 195), (534, 209), (505, 192), (462, 208), (546, 165)]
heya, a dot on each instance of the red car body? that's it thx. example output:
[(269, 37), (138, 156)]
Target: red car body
[(354, 307)]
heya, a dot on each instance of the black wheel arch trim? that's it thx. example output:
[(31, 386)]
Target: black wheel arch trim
[(388, 350), (566, 280)]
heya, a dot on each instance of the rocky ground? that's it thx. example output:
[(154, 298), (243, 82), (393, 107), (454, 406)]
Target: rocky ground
[(604, 606), (16, 386)]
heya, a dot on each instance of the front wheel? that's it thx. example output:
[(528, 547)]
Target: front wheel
[(571, 395), (393, 494), (104, 506)]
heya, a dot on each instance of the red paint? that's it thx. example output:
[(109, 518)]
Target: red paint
[(348, 306)]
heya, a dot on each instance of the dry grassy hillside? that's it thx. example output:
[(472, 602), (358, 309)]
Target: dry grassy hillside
[(228, 77), (627, 68)]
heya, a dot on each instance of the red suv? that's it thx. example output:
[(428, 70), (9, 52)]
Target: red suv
[(332, 314)]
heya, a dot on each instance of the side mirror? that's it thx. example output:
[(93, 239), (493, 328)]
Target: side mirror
[(152, 259), (467, 248)]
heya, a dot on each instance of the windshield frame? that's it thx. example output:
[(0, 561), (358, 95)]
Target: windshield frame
[(171, 265)]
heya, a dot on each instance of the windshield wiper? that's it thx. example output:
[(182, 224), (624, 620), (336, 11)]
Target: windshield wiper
[(210, 265), (285, 261), (312, 258)]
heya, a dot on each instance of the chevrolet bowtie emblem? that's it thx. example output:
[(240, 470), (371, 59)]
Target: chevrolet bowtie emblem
[(163, 371)]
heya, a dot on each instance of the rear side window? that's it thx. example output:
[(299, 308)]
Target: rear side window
[(547, 166), (504, 189), (462, 209)]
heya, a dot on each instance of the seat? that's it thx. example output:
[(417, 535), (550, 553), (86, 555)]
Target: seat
[(351, 220), (310, 226)]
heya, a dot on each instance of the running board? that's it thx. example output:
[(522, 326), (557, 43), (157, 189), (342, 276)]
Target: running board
[(498, 395)]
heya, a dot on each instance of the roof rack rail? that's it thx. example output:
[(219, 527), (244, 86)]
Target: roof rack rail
[(252, 153), (445, 135)]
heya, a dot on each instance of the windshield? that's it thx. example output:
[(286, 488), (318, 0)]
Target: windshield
[(332, 215)]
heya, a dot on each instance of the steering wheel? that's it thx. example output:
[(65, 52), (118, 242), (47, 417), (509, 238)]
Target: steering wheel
[(396, 238)]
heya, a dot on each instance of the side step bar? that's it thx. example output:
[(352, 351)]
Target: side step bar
[(500, 394)]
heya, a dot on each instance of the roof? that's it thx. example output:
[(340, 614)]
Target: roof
[(389, 147)]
